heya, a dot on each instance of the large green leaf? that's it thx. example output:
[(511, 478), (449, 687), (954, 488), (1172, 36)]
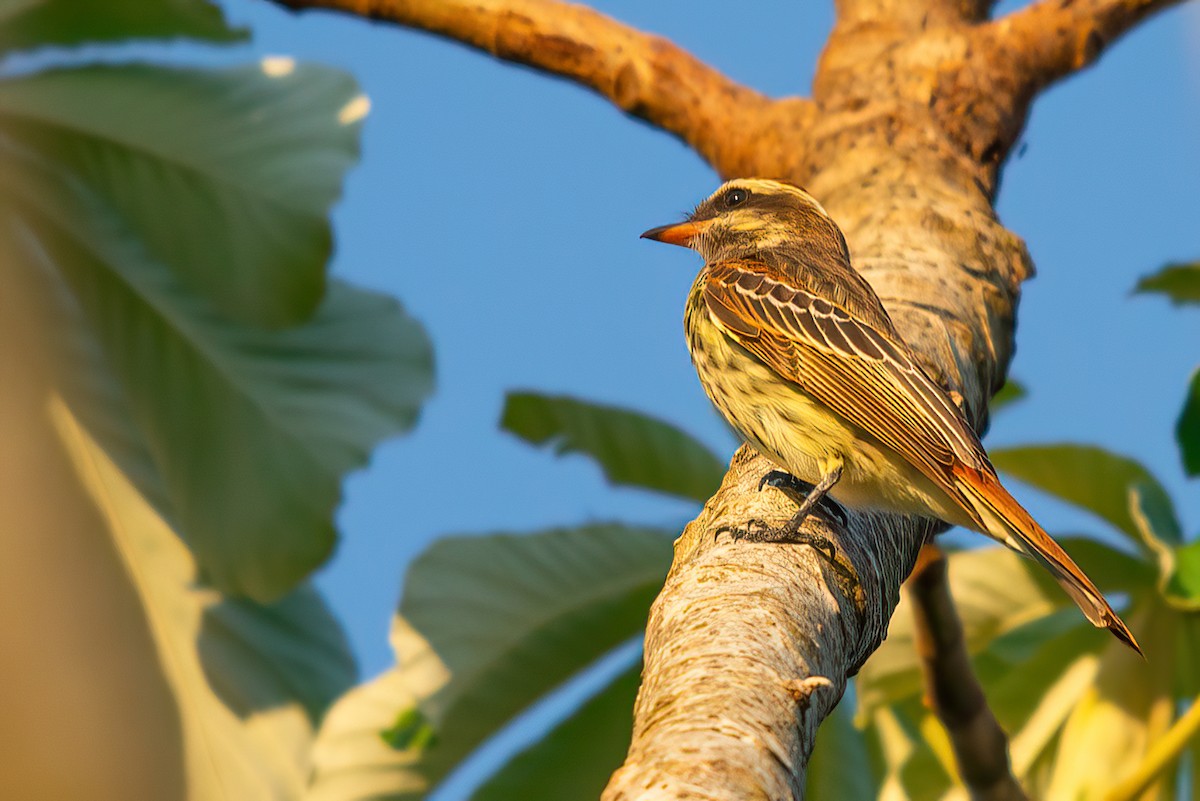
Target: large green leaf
[(1006, 604), (574, 761), (224, 176), (259, 657), (26, 24), (631, 448), (1179, 282), (1119, 716), (250, 429), (1102, 482), (1187, 429), (487, 625), (249, 681)]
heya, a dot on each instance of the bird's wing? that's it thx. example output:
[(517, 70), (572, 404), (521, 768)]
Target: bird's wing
[(857, 371)]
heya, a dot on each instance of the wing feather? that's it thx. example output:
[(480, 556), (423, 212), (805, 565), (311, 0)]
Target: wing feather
[(854, 369)]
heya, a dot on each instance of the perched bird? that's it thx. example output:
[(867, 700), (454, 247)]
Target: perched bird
[(794, 348)]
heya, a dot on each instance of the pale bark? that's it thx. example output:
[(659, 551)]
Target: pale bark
[(915, 105)]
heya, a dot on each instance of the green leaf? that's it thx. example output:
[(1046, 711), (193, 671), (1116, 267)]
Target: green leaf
[(412, 731), (1185, 582), (903, 756), (576, 759), (249, 681), (259, 657), (631, 448), (1128, 707), (1102, 482), (487, 626), (1179, 282), (27, 24), (251, 429), (1187, 429), (839, 768), (1003, 600), (1010, 393), (224, 176)]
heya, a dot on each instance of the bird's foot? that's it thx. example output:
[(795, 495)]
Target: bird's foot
[(789, 533), (800, 493)]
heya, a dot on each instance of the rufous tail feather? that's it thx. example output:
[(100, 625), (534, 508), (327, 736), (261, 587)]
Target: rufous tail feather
[(1011, 524)]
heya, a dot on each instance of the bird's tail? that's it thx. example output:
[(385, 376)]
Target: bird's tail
[(1007, 521)]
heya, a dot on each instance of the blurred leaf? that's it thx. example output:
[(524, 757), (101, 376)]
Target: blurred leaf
[(412, 731), (243, 689), (1185, 581), (26, 24), (258, 657), (1001, 597), (906, 762), (840, 767), (1010, 393), (1179, 282), (576, 759), (1097, 480), (1187, 429), (224, 176), (1032, 699), (487, 625), (266, 422), (631, 448), (352, 761), (1118, 717)]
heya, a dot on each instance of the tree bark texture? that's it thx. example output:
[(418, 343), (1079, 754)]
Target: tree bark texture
[(915, 105)]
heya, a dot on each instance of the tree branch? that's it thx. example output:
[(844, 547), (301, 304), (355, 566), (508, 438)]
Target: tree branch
[(1051, 39), (749, 646), (980, 745), (644, 75)]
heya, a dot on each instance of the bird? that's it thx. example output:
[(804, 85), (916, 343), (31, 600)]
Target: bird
[(797, 352)]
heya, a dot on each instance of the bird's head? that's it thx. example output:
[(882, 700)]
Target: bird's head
[(749, 216)]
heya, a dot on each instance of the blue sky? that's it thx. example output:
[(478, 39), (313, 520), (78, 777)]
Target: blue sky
[(503, 208)]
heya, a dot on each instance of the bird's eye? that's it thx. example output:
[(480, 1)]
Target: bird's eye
[(736, 197)]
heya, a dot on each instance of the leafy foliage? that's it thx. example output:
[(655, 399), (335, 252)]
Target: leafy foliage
[(30, 24), (575, 760), (1096, 480), (631, 448), (210, 387), (246, 162), (229, 663), (266, 421), (1179, 282), (487, 625)]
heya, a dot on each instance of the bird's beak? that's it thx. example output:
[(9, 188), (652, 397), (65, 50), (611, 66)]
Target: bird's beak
[(679, 233)]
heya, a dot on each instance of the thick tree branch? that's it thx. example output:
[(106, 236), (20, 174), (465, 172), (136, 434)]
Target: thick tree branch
[(1051, 39), (980, 745), (749, 646), (644, 75)]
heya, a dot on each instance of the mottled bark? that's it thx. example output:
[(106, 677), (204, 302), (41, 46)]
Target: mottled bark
[(915, 105)]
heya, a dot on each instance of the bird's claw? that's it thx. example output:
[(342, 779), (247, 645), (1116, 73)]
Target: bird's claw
[(798, 491)]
